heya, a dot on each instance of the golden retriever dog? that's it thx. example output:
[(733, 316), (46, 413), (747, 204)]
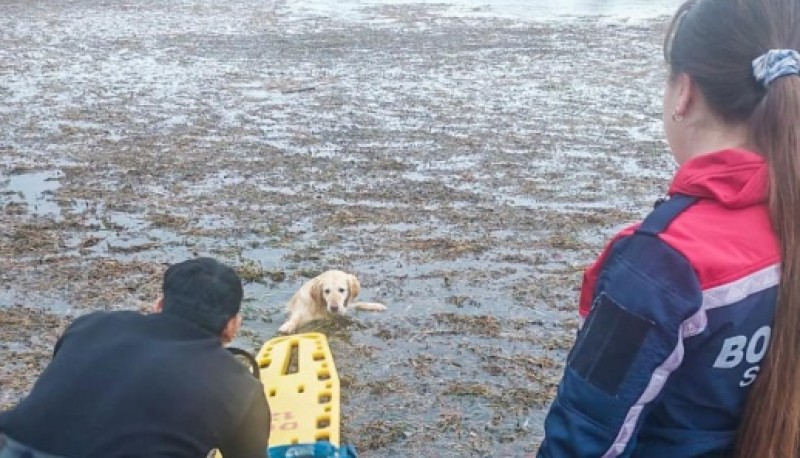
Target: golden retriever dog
[(332, 291)]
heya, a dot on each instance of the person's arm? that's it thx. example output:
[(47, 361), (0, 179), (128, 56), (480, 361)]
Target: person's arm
[(251, 438), (629, 345), (592, 274), (75, 326)]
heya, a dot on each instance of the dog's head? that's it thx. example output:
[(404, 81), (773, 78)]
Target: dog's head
[(335, 290)]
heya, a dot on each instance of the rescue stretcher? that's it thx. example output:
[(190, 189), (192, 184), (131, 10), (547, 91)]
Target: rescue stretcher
[(302, 387)]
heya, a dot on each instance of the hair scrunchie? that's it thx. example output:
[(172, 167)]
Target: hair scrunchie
[(774, 64)]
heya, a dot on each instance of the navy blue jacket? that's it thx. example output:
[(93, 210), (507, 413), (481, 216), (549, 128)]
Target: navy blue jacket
[(123, 384), (678, 318)]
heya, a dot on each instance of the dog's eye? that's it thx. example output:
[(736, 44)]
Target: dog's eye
[(341, 290), (327, 291)]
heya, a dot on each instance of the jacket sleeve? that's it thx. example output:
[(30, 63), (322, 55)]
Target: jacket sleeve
[(592, 273), (629, 345), (78, 325), (251, 438)]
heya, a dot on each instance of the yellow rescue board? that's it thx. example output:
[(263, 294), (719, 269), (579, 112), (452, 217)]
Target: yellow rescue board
[(302, 388)]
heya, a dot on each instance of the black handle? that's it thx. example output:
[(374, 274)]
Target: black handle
[(254, 368)]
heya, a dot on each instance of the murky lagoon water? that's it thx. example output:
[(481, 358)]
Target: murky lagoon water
[(465, 158)]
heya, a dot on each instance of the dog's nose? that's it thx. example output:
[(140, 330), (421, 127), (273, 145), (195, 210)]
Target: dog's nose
[(334, 308)]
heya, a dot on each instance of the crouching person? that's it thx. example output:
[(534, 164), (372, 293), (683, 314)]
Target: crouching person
[(127, 384)]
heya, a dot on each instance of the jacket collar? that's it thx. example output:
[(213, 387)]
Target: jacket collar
[(736, 178)]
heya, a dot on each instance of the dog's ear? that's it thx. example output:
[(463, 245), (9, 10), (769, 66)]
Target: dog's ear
[(353, 286), (316, 292)]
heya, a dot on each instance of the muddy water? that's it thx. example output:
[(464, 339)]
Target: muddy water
[(33, 191), (458, 158)]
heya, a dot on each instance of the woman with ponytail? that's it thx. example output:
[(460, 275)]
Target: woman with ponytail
[(691, 341)]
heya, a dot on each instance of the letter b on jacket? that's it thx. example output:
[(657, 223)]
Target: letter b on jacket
[(738, 348)]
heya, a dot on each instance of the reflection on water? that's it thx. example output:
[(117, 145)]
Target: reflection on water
[(35, 190)]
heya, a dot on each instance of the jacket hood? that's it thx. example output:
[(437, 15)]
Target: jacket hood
[(734, 177)]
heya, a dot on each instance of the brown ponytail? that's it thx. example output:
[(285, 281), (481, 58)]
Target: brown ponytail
[(771, 424), (715, 42)]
